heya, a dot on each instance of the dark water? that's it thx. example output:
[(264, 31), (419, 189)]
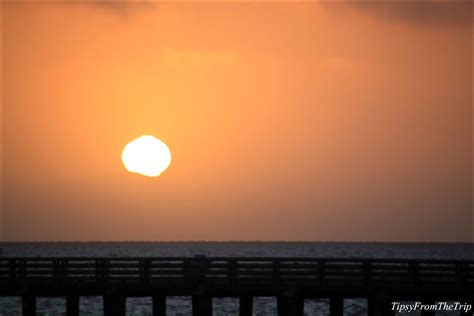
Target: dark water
[(253, 249), (91, 306)]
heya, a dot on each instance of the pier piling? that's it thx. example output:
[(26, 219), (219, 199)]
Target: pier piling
[(245, 305), (114, 305), (72, 305), (29, 305), (290, 305), (336, 306), (159, 305), (379, 304), (202, 305)]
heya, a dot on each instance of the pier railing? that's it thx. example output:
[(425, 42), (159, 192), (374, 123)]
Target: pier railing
[(274, 271), (207, 277)]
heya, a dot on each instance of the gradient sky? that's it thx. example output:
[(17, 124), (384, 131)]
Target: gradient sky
[(310, 121)]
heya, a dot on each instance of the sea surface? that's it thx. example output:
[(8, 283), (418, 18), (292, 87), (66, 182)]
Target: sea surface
[(181, 306)]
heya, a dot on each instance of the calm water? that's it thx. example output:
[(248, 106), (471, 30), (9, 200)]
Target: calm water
[(91, 306)]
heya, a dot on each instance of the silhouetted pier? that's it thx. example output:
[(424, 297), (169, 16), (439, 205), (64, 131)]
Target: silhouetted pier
[(290, 280)]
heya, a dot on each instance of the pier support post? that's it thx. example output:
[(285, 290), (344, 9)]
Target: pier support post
[(72, 305), (114, 305), (290, 305), (282, 305), (246, 305), (379, 305), (29, 305), (159, 305), (202, 305), (336, 306)]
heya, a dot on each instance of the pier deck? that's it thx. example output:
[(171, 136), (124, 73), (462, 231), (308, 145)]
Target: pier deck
[(291, 280)]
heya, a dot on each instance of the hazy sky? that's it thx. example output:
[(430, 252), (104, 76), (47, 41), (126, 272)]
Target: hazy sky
[(309, 121)]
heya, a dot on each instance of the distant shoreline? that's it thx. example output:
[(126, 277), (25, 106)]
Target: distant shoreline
[(237, 241)]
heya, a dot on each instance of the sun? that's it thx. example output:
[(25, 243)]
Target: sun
[(146, 155)]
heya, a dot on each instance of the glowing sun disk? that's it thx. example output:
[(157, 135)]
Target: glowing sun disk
[(146, 155)]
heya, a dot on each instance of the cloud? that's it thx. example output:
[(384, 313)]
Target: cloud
[(426, 13), (119, 8)]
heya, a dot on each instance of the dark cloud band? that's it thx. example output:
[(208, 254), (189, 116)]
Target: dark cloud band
[(429, 13)]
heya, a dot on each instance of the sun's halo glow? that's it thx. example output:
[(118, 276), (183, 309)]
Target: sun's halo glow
[(146, 155)]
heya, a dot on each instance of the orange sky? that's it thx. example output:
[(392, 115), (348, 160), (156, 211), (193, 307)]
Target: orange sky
[(309, 121)]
